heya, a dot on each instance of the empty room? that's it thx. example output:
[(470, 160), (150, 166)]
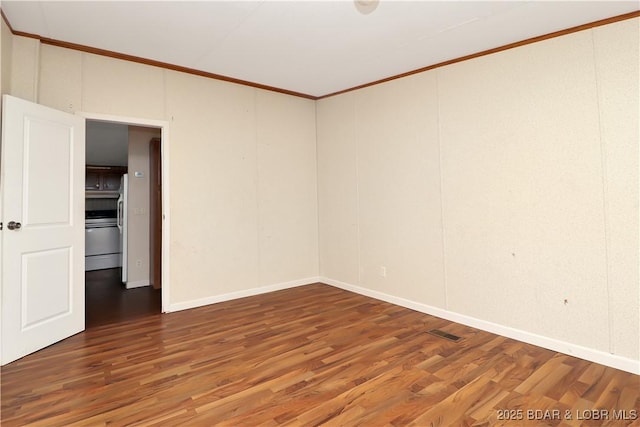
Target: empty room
[(341, 213)]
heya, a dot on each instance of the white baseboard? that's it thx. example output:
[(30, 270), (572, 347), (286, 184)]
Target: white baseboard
[(597, 356), (241, 294), (137, 284)]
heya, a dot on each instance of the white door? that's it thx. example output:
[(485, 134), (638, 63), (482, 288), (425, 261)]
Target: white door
[(42, 214)]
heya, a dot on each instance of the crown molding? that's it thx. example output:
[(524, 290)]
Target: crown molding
[(154, 63), (555, 34)]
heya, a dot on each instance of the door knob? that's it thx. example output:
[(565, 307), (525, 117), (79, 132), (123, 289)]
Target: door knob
[(14, 225)]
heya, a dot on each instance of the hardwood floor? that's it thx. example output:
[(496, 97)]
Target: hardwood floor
[(312, 355), (107, 301)]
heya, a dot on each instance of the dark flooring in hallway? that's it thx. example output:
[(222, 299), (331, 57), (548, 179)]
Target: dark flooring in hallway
[(107, 300)]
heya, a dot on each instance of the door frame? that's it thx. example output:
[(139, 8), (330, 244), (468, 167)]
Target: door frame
[(163, 125)]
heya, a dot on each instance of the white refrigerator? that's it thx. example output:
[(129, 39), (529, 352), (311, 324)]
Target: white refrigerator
[(122, 223)]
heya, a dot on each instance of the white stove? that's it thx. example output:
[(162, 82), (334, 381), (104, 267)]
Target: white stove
[(102, 242)]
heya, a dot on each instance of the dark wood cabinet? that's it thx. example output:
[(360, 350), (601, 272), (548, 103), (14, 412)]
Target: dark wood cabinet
[(92, 180), (103, 178), (111, 181)]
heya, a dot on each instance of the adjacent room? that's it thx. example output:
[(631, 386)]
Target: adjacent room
[(367, 212), (122, 279)]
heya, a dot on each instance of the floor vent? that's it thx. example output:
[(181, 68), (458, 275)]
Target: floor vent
[(445, 335)]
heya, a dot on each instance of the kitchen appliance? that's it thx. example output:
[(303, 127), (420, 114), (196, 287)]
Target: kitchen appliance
[(121, 223), (102, 239)]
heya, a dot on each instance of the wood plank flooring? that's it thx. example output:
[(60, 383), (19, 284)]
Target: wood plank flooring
[(312, 355)]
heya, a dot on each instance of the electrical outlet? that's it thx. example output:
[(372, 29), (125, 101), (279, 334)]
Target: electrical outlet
[(138, 263), (383, 271)]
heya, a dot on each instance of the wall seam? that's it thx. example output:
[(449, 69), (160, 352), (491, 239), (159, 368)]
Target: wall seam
[(357, 158), (605, 208), (164, 94), (257, 184), (318, 243), (82, 73), (442, 222), (37, 71)]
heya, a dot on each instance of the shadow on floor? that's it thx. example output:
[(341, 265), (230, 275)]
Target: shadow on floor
[(107, 300)]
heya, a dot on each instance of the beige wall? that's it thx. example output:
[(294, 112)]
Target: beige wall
[(495, 188), (380, 190), (244, 207), (617, 67), (6, 45), (522, 190), (242, 165), (24, 68), (138, 205)]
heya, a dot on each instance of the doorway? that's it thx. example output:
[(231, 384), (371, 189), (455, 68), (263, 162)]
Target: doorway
[(133, 287)]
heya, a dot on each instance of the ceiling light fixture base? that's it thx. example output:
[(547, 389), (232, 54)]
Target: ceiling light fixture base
[(366, 6)]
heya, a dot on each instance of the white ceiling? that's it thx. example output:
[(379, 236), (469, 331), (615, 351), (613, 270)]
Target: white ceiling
[(107, 143), (310, 47)]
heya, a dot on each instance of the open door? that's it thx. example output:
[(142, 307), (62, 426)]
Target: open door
[(42, 214)]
